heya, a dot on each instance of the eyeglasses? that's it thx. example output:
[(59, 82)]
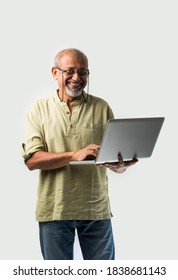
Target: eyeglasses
[(72, 71)]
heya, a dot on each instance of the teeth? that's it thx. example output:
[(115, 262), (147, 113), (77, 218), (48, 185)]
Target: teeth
[(77, 84)]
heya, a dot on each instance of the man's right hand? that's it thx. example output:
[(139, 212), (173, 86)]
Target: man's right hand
[(91, 150)]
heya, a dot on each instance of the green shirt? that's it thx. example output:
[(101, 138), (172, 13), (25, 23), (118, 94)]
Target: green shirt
[(71, 192)]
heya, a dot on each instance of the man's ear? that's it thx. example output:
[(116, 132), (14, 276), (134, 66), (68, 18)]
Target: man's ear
[(54, 73)]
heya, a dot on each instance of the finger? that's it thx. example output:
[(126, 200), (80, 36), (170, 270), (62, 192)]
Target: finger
[(131, 162), (120, 158)]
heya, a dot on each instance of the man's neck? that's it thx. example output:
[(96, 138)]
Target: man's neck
[(68, 99)]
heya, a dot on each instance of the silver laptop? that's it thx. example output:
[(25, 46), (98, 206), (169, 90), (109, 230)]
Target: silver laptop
[(131, 137)]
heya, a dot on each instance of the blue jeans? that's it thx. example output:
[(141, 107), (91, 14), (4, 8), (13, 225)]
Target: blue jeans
[(95, 238)]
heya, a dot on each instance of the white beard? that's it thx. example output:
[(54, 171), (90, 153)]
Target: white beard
[(73, 93)]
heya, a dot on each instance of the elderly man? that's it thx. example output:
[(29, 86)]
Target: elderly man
[(64, 127)]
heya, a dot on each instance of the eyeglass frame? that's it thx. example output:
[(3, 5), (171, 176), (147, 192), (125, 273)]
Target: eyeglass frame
[(64, 71)]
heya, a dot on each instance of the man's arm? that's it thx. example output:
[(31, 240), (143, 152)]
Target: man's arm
[(49, 160)]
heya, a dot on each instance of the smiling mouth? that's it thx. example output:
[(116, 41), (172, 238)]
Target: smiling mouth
[(74, 86)]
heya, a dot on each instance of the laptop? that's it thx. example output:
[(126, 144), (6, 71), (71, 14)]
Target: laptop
[(131, 137)]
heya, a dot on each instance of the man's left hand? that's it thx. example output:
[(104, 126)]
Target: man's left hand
[(120, 166)]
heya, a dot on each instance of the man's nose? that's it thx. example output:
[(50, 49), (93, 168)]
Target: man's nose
[(76, 76)]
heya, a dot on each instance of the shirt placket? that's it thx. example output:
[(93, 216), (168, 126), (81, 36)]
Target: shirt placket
[(72, 118)]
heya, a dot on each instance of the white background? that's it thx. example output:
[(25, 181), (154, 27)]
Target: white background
[(132, 47)]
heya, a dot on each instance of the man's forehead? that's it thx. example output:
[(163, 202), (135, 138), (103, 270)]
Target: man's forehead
[(73, 58)]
